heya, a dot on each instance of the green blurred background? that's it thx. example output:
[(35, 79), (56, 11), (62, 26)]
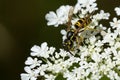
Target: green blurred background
[(23, 24)]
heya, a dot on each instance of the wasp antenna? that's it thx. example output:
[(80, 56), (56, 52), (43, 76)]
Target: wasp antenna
[(71, 53), (92, 13)]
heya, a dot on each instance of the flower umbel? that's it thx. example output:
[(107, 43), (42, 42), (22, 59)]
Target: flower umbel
[(97, 54)]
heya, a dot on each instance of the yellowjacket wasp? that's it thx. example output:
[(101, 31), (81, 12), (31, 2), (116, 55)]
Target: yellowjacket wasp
[(72, 37)]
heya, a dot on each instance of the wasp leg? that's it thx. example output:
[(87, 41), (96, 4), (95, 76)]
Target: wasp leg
[(79, 41), (88, 28)]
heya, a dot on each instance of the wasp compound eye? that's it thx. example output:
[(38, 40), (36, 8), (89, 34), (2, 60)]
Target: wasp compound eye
[(70, 34)]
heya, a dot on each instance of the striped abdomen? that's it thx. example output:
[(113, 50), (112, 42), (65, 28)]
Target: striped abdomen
[(82, 23)]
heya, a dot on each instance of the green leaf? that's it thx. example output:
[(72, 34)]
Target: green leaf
[(60, 77), (104, 78)]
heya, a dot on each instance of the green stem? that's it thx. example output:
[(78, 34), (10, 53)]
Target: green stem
[(44, 60)]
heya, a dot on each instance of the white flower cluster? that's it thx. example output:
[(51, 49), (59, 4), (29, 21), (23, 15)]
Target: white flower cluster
[(98, 57), (46, 60), (117, 9), (82, 7), (60, 17)]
